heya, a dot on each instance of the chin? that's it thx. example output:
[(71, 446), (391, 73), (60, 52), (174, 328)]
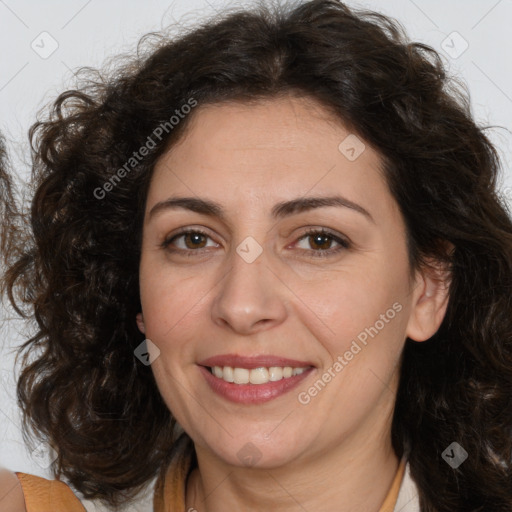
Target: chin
[(258, 449)]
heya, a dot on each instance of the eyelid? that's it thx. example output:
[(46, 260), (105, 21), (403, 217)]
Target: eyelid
[(326, 231), (185, 231), (344, 243)]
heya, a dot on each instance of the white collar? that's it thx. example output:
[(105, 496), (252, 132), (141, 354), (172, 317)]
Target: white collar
[(408, 500)]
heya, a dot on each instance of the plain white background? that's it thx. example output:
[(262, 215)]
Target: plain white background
[(85, 33)]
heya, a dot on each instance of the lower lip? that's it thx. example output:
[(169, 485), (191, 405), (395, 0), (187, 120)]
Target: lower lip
[(252, 393)]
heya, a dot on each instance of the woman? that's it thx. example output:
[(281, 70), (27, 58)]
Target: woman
[(269, 268)]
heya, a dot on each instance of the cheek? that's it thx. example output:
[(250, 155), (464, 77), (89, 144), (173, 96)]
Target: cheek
[(350, 302), (170, 302), (362, 332)]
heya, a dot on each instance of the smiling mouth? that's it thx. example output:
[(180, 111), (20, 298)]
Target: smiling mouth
[(256, 376)]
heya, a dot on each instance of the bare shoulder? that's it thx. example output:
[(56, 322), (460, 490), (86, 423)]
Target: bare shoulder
[(11, 493)]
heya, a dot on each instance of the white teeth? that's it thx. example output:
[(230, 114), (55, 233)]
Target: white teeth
[(227, 374), (258, 376), (241, 375), (275, 373), (255, 375)]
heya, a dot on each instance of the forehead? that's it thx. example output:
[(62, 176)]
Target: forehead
[(275, 148)]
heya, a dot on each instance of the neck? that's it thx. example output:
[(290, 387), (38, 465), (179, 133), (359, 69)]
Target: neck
[(353, 474)]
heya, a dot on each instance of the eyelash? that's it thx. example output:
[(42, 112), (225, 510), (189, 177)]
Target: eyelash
[(344, 244)]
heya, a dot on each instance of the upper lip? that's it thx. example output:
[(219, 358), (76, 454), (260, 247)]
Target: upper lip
[(249, 362)]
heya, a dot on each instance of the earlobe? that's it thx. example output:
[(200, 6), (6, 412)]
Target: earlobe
[(140, 323), (430, 300)]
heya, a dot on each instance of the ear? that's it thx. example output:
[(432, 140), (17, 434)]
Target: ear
[(430, 300), (140, 323)]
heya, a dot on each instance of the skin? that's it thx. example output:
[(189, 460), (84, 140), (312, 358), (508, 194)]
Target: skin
[(333, 454), (11, 493)]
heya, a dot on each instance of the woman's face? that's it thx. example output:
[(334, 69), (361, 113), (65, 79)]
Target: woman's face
[(252, 288)]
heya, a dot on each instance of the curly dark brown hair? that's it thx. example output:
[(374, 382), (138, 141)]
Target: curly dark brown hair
[(6, 202), (8, 211), (81, 387)]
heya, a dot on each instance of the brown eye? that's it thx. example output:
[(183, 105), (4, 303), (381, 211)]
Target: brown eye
[(188, 242), (194, 240), (320, 241)]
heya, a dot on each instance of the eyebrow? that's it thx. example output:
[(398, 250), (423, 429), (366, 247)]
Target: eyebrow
[(279, 211)]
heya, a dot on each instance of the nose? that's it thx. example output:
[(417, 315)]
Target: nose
[(250, 298)]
